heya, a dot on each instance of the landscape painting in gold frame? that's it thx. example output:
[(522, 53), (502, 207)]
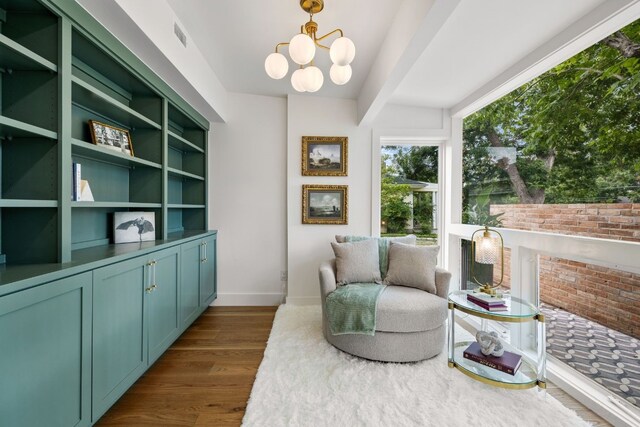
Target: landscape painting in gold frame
[(325, 155), (325, 204)]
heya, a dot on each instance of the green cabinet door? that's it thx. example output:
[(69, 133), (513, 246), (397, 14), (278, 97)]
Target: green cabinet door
[(45, 350), (191, 258), (208, 272), (119, 332), (162, 301)]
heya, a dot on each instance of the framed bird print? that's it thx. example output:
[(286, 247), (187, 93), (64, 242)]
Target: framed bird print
[(134, 227), (324, 155)]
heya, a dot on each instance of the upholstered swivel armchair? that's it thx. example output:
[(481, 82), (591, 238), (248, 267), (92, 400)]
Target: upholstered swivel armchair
[(410, 322)]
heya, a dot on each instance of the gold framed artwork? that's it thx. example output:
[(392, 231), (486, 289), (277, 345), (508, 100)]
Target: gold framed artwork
[(325, 204), (325, 155), (111, 137)]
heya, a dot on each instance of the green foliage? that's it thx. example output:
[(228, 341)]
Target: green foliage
[(422, 212), (395, 211), (419, 163), (479, 212), (575, 130)]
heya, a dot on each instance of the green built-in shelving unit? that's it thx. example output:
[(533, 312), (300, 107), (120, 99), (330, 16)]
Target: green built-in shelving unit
[(58, 70), (81, 318)]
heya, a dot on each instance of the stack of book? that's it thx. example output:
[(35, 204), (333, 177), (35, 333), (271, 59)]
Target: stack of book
[(488, 302), (508, 363)]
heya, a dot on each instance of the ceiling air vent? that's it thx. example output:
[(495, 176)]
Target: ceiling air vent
[(180, 34)]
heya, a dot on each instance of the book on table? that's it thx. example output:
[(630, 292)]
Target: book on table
[(485, 299), (508, 363), (493, 308), (488, 302)]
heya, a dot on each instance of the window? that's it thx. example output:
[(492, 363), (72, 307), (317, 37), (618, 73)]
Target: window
[(409, 192), (561, 154), (568, 141)]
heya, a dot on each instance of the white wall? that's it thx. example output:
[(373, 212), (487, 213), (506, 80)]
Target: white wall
[(308, 245), (410, 118), (248, 199), (151, 38)]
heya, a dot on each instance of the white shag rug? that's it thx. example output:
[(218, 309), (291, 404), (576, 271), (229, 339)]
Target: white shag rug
[(305, 381)]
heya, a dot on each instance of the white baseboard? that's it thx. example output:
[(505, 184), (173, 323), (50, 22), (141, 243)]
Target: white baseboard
[(248, 299), (303, 300)]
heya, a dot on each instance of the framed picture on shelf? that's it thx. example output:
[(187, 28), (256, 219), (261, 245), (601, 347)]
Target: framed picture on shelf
[(111, 137), (325, 204), (134, 227), (325, 155)]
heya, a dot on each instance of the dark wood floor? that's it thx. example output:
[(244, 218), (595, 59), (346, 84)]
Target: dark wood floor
[(205, 378)]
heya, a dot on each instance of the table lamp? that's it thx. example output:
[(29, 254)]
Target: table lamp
[(487, 247)]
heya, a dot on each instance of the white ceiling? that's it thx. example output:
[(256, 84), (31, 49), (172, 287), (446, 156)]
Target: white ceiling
[(478, 41), (235, 38)]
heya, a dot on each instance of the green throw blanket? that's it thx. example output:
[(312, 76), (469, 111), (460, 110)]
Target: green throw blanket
[(351, 309)]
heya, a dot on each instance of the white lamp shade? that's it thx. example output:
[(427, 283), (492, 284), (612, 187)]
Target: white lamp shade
[(301, 49), (340, 75), (297, 80), (487, 249), (312, 79), (276, 66), (342, 51)]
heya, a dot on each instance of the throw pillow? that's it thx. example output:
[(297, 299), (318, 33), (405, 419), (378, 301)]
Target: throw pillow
[(357, 262), (383, 246), (413, 266)]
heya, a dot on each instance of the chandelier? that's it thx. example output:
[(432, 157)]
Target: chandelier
[(302, 49)]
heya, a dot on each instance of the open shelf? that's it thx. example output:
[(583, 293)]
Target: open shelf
[(25, 203), (91, 98), (181, 144), (183, 206), (29, 38), (184, 191), (10, 128), (167, 174), (29, 172), (123, 205), (92, 151), (179, 173), (127, 184), (184, 129), (93, 225), (181, 220), (14, 56), (29, 236), (525, 377)]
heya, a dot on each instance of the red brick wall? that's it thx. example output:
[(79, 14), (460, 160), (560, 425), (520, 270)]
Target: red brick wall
[(607, 296)]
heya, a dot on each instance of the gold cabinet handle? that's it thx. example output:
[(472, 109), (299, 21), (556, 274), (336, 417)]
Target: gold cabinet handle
[(152, 276)]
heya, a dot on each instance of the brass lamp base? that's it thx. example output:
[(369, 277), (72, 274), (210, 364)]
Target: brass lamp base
[(487, 289), (312, 6)]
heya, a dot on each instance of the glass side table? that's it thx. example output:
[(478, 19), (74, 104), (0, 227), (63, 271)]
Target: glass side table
[(529, 375)]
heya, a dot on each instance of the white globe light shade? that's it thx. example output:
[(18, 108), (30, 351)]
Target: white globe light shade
[(313, 79), (276, 66), (301, 49), (342, 51), (340, 75), (297, 80)]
